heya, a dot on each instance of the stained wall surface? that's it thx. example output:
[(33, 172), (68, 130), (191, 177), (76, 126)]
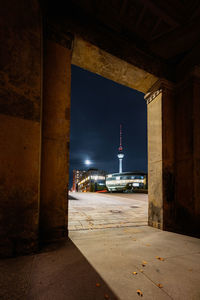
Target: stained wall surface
[(96, 60), (173, 156), (55, 141), (187, 145), (20, 111), (155, 187)]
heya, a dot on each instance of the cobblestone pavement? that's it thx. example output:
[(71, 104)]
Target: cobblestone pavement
[(89, 211)]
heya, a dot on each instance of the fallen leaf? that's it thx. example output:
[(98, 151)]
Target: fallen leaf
[(139, 293), (134, 273), (160, 258), (144, 263), (141, 271), (97, 284), (148, 245), (106, 296), (190, 270), (159, 285)]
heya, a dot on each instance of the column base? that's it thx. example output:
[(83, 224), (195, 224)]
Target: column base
[(54, 235), (155, 224), (16, 247)]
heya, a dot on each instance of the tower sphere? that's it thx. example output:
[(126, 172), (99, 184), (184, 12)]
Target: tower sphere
[(120, 155)]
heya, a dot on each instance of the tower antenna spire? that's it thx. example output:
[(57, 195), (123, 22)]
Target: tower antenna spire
[(120, 154), (120, 138)]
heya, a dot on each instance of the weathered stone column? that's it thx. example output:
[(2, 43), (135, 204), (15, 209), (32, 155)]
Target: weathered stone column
[(174, 155), (160, 107), (55, 136), (20, 98), (196, 147), (187, 146)]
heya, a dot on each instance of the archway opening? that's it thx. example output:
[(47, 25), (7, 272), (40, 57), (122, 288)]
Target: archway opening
[(107, 120)]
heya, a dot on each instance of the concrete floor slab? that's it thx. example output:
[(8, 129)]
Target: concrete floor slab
[(125, 242), (98, 264), (115, 253), (15, 277)]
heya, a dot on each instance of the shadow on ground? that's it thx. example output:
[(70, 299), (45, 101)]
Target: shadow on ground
[(62, 273), (70, 197)]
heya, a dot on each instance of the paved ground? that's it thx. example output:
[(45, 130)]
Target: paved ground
[(118, 252), (98, 210), (99, 263)]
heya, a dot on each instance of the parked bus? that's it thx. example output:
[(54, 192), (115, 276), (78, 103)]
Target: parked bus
[(126, 181)]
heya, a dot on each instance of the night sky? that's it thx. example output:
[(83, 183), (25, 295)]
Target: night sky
[(98, 107)]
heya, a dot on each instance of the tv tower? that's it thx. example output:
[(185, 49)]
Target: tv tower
[(120, 154)]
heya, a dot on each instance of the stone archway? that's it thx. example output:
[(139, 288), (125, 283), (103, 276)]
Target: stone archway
[(34, 106)]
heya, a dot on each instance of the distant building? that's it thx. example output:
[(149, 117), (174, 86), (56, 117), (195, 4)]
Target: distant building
[(92, 180), (126, 181), (77, 174)]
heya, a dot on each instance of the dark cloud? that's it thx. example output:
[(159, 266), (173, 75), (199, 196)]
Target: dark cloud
[(98, 107)]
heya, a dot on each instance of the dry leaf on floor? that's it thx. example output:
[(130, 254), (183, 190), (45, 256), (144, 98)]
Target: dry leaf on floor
[(144, 263), (148, 245), (141, 271), (134, 273), (160, 258), (159, 285), (97, 284), (139, 293), (106, 296)]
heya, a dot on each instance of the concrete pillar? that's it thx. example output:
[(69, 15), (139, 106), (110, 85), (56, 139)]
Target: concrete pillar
[(187, 151), (196, 147), (174, 155), (160, 109), (20, 98), (55, 136)]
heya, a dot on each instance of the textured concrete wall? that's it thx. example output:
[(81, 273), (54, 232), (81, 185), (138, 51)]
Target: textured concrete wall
[(196, 156), (173, 155), (168, 153), (161, 155), (187, 145), (155, 188), (55, 141), (92, 58), (20, 98)]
